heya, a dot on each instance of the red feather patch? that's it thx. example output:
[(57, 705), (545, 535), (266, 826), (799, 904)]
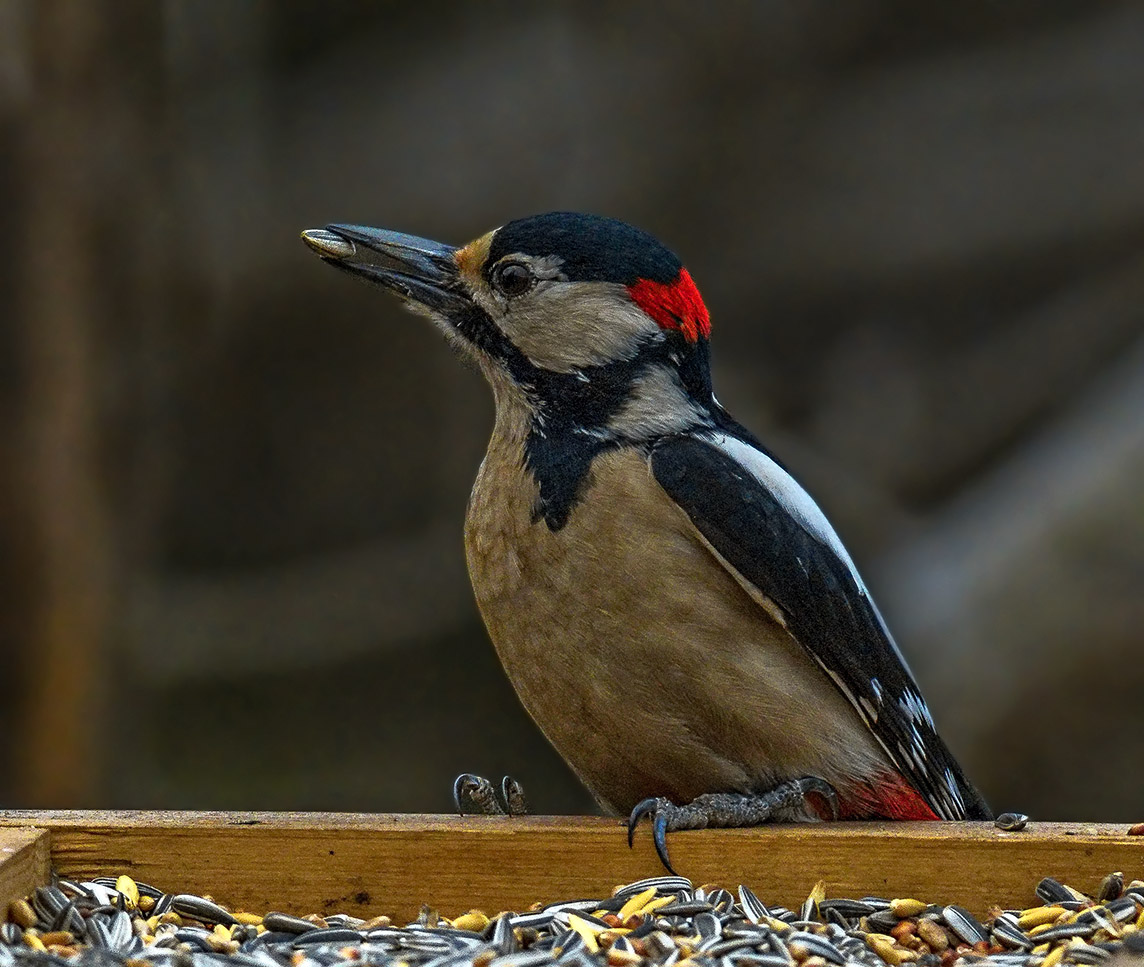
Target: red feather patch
[(674, 305), (887, 796)]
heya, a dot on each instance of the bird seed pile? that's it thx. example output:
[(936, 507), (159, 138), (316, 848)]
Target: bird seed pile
[(657, 922)]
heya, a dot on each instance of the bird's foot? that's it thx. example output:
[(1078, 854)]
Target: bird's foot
[(722, 810), (476, 795)]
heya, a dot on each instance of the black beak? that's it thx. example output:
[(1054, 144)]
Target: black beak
[(415, 268)]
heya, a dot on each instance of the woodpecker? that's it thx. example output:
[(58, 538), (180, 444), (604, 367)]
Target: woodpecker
[(673, 609)]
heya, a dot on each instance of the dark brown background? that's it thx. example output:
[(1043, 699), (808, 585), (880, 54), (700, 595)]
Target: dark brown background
[(233, 482)]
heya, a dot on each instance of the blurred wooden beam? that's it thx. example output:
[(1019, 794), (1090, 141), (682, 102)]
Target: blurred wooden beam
[(80, 149), (68, 556)]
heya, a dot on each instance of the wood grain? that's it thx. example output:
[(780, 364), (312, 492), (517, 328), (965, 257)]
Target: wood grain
[(24, 862), (369, 864)]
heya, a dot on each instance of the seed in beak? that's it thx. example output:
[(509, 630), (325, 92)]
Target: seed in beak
[(327, 244)]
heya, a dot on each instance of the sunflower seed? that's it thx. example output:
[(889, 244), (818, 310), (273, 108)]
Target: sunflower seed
[(1011, 822), (284, 923), (1123, 908), (525, 959), (684, 908), (322, 935), (707, 925), (1054, 892), (201, 909), (1009, 934), (194, 937), (882, 921), (344, 920), (561, 917), (752, 906), (1064, 932), (502, 939), (540, 920), (730, 945), (576, 906), (849, 909), (1086, 954), (663, 884), (1110, 887), (964, 924), (48, 901), (119, 930), (815, 945)]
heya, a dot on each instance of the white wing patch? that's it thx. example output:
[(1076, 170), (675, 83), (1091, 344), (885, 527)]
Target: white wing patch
[(801, 506), (796, 501)]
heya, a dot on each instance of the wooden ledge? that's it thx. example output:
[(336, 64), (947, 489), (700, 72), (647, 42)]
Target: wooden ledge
[(391, 863), (24, 862)]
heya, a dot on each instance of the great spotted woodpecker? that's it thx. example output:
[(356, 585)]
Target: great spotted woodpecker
[(674, 610)]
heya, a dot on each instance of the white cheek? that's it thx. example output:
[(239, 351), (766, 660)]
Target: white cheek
[(565, 326)]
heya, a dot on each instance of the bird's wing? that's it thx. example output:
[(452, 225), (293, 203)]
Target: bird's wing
[(765, 529)]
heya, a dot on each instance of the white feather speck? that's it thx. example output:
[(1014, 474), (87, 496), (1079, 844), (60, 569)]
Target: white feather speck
[(913, 706), (955, 792)]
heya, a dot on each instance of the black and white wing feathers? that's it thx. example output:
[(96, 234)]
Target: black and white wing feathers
[(762, 524)]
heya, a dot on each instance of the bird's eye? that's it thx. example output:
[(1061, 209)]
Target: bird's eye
[(512, 278)]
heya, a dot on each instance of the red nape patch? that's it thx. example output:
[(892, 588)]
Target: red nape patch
[(887, 796), (674, 305)]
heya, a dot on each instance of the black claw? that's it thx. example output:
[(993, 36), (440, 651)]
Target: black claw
[(512, 792), (815, 785), (461, 786), (659, 837), (642, 809), (659, 810), (474, 795)]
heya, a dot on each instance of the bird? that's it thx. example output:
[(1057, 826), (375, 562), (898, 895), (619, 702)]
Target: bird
[(673, 609)]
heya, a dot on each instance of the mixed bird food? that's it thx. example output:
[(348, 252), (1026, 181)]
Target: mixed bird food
[(664, 921)]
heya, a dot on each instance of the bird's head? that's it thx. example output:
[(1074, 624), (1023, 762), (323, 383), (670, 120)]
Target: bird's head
[(590, 323)]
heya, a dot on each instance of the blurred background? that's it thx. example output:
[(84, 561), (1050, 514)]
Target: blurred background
[(232, 482)]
